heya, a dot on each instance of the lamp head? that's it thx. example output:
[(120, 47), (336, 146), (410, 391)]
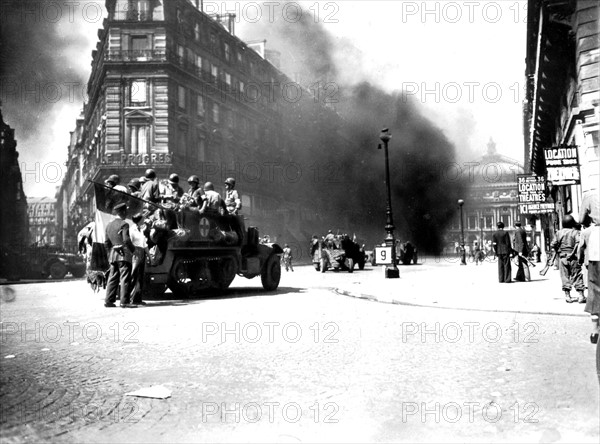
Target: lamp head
[(385, 135), (461, 202)]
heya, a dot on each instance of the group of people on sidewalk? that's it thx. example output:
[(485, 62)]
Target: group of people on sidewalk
[(572, 247)]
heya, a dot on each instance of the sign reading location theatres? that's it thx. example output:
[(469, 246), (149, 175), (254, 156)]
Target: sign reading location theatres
[(532, 194), (562, 164)]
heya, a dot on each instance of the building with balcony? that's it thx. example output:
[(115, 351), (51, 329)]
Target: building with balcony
[(42, 220), (563, 93), (175, 90)]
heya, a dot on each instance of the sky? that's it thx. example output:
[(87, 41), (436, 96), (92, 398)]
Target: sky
[(463, 62)]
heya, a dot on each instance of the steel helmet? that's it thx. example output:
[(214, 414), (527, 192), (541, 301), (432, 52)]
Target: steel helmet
[(230, 181), (174, 178), (134, 183), (150, 174), (194, 179), (114, 179), (209, 186), (568, 221)]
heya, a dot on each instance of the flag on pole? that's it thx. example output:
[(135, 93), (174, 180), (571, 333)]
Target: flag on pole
[(106, 199)]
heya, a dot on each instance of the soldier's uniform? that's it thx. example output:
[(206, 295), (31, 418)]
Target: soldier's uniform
[(232, 201), (120, 254), (565, 244)]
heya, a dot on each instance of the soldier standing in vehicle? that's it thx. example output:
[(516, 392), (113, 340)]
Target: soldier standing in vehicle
[(193, 197), (150, 190), (232, 198), (212, 201), (114, 181), (287, 258), (173, 191), (120, 253)]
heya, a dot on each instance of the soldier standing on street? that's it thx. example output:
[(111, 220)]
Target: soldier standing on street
[(565, 244), (522, 250), (287, 258), (120, 252), (502, 249), (232, 198), (139, 259)]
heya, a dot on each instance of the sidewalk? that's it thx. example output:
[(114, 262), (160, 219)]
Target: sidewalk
[(469, 287)]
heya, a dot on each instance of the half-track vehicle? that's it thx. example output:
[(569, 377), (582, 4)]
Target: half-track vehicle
[(207, 251)]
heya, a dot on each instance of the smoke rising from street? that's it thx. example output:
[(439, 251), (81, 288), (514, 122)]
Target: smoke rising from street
[(425, 188)]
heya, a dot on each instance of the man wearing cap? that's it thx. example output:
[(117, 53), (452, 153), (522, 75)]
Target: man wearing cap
[(114, 181), (150, 190), (232, 198), (120, 253), (212, 201), (503, 249), (522, 250), (139, 259)]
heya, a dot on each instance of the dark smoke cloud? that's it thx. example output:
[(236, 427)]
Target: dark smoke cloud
[(42, 49), (424, 195)]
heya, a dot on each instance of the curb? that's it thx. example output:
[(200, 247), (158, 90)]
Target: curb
[(412, 304)]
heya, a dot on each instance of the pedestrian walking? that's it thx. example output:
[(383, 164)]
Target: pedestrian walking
[(565, 245), (503, 249), (287, 258), (120, 248), (139, 259), (522, 249)]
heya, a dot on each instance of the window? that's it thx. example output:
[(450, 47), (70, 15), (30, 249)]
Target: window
[(242, 86), (138, 138), (200, 105), (180, 53), (179, 16), (181, 96), (215, 113), (505, 218), (213, 41), (214, 71), (199, 62), (181, 141), (489, 221), (138, 93), (197, 31), (240, 57), (228, 79), (227, 50)]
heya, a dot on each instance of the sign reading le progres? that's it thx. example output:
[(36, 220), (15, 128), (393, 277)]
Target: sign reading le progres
[(562, 165)]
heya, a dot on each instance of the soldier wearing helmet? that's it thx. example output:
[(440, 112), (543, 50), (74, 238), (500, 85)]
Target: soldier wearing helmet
[(565, 245), (232, 198), (193, 197), (212, 201), (150, 190), (114, 181), (173, 191), (134, 187)]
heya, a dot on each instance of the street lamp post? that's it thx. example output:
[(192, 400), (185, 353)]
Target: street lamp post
[(481, 227), (391, 271), (463, 259)]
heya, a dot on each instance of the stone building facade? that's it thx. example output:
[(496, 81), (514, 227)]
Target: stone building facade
[(42, 220)]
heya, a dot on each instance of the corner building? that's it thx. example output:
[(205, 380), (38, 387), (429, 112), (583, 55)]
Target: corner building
[(563, 94), (175, 90)]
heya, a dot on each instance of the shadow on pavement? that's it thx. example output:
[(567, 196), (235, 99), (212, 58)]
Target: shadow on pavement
[(170, 299)]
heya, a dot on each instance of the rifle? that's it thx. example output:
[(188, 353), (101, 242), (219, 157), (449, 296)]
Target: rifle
[(544, 270)]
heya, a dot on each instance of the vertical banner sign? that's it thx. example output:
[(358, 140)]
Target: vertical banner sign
[(562, 164), (532, 194)]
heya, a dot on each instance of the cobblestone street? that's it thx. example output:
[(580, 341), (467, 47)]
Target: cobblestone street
[(302, 364)]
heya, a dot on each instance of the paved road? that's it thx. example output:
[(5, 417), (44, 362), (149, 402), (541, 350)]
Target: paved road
[(302, 364)]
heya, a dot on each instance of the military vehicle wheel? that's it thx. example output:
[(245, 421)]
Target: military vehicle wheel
[(271, 273), (57, 270), (182, 290), (350, 265), (78, 272), (154, 290), (226, 274), (361, 265), (322, 265), (317, 266)]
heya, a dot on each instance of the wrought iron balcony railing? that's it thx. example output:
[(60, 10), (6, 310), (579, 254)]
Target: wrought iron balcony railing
[(136, 55)]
